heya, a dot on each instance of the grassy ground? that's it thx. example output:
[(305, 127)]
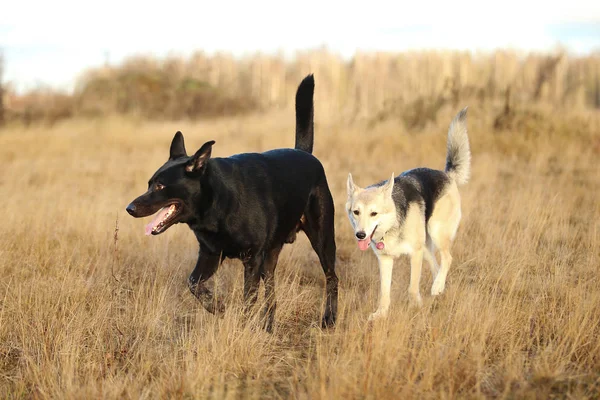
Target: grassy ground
[(86, 314)]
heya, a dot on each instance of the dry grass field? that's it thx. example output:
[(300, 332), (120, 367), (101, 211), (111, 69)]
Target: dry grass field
[(90, 312)]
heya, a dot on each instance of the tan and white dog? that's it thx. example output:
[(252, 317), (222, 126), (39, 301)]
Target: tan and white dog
[(414, 213)]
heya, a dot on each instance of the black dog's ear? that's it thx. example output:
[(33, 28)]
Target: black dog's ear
[(177, 147), (199, 160)]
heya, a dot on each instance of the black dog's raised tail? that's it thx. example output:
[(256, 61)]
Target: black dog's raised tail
[(305, 114)]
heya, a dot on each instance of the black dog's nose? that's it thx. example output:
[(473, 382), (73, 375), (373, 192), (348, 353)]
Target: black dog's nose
[(131, 209), (361, 235)]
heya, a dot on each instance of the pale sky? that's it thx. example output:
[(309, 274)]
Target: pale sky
[(53, 41)]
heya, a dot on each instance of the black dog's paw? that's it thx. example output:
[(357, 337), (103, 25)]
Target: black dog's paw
[(328, 320), (213, 305), (218, 308), (206, 298)]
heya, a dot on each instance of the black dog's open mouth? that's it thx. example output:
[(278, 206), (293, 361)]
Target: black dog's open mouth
[(165, 217)]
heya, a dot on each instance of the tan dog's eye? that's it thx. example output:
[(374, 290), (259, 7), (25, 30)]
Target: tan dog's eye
[(373, 214), (356, 212)]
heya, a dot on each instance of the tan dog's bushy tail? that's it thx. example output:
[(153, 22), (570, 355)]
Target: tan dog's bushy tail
[(458, 158)]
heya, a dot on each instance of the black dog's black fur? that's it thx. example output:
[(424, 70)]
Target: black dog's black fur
[(247, 206)]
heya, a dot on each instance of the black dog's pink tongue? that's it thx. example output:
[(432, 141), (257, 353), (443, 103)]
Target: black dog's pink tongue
[(157, 219)]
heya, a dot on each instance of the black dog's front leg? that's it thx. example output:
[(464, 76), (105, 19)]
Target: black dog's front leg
[(206, 266)]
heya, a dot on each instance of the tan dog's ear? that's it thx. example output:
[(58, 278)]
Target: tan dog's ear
[(351, 185), (388, 188)]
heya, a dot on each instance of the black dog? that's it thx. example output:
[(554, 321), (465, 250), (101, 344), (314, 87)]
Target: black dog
[(247, 206)]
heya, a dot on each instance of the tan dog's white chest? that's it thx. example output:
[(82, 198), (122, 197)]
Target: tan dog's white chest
[(405, 238), (394, 245)]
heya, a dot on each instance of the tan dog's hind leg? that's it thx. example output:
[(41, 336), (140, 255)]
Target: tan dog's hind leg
[(439, 283), (429, 255), (416, 261), (442, 227), (415, 234)]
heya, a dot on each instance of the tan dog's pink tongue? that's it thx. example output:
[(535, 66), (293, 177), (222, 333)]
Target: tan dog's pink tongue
[(364, 244), (157, 219)]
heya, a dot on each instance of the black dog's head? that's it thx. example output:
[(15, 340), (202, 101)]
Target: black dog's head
[(173, 189)]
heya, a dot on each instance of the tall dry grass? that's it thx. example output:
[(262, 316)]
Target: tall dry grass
[(410, 86), (2, 90), (87, 310), (368, 82)]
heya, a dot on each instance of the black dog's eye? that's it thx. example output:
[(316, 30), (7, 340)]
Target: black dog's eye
[(356, 212), (160, 186), (373, 214)]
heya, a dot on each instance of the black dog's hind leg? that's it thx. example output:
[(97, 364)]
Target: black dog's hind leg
[(319, 227), (206, 266), (252, 269), (268, 275)]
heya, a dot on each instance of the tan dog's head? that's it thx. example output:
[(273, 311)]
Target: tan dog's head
[(371, 211)]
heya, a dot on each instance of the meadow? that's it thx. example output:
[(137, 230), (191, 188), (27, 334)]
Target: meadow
[(92, 308)]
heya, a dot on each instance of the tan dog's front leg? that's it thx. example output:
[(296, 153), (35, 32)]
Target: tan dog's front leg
[(386, 265)]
